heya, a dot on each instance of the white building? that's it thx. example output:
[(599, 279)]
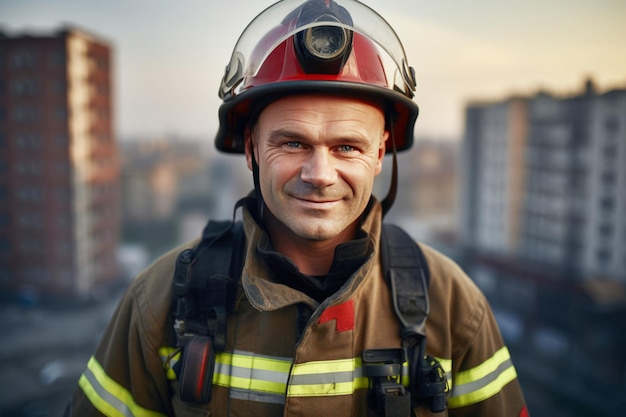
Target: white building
[(545, 182)]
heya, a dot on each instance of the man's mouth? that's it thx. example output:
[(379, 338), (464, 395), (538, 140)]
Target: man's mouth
[(316, 203)]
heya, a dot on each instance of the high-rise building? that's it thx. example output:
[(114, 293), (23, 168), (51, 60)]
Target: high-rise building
[(545, 182), (544, 206), (59, 164)]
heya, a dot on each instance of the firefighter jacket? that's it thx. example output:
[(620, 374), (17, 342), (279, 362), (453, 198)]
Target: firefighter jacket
[(288, 355)]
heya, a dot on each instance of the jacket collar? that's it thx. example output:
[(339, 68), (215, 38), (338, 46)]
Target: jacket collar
[(266, 293)]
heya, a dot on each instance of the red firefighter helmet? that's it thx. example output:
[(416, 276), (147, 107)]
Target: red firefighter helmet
[(316, 46)]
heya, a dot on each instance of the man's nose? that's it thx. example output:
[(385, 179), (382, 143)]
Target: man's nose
[(319, 169)]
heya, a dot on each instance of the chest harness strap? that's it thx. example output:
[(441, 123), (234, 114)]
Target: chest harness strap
[(406, 273), (204, 289), (205, 286)]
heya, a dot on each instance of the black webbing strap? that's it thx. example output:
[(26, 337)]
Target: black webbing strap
[(204, 289), (406, 274), (206, 278), (407, 277)]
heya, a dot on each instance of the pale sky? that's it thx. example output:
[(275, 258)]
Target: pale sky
[(170, 56)]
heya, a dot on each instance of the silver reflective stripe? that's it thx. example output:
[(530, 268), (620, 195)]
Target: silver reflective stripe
[(326, 378), (106, 396), (473, 386), (260, 397), (251, 373), (253, 377)]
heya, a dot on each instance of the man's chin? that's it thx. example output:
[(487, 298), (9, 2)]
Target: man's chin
[(316, 230)]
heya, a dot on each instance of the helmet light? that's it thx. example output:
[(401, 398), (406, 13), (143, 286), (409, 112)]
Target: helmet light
[(325, 45)]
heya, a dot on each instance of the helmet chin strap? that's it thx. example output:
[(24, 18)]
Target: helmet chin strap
[(257, 184), (393, 187)]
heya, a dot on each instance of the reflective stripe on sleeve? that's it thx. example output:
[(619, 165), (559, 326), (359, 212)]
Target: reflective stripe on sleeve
[(109, 397), (483, 381)]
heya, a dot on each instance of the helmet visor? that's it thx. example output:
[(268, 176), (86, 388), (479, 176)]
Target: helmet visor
[(280, 21)]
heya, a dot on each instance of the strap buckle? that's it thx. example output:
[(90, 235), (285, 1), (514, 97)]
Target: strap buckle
[(384, 368)]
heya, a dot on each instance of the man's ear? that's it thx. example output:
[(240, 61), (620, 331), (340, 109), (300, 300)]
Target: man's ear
[(381, 152), (247, 146)]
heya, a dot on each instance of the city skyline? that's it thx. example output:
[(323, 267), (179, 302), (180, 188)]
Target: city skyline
[(460, 52)]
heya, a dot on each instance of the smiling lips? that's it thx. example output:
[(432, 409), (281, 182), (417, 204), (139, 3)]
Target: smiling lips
[(315, 198), (316, 204)]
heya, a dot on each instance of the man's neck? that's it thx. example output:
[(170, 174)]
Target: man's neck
[(313, 257)]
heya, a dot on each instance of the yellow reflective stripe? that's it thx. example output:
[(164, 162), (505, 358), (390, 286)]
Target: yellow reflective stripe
[(322, 378), (251, 372), (483, 381), (257, 362), (106, 395), (170, 356), (250, 384), (322, 367)]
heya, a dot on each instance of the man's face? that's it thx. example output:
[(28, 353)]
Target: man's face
[(317, 158)]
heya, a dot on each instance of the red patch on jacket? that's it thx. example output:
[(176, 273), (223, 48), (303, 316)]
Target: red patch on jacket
[(342, 313), (524, 413)]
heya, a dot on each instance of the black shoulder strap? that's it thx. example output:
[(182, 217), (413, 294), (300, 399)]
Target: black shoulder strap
[(408, 277), (205, 282), (407, 274)]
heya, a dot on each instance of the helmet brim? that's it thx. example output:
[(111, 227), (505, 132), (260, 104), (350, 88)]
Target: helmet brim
[(236, 112)]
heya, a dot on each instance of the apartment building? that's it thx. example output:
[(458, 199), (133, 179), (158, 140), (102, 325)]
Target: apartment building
[(59, 166), (605, 230), (545, 181)]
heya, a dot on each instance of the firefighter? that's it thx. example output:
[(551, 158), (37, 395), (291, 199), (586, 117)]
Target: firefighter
[(315, 94)]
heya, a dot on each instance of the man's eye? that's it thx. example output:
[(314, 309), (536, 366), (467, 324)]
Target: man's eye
[(346, 148), (293, 144)]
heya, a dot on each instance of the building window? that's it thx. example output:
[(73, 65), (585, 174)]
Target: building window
[(605, 231), (30, 168), (604, 256), (28, 141), (611, 126), (59, 86), (31, 221), (24, 59), (608, 178), (57, 58), (25, 87), (26, 114), (610, 151), (32, 194), (607, 204)]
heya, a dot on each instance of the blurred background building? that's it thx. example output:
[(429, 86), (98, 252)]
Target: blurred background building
[(59, 167), (544, 235)]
